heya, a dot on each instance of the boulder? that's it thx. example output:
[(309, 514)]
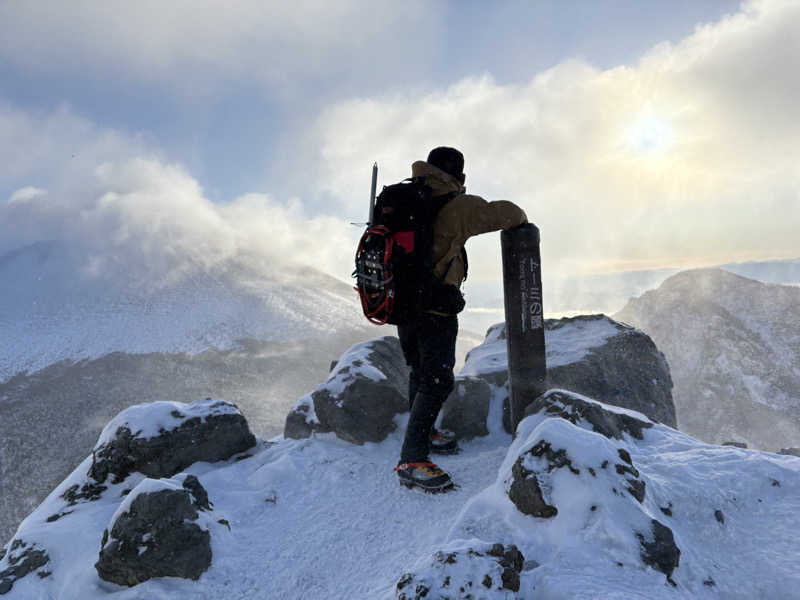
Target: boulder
[(157, 532), (488, 571), (160, 439), (591, 355), (366, 388), (466, 411)]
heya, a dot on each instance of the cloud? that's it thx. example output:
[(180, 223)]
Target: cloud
[(687, 157), (150, 222), (138, 215), (25, 194)]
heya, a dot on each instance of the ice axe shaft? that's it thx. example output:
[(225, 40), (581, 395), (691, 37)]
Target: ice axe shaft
[(373, 190), (522, 286)]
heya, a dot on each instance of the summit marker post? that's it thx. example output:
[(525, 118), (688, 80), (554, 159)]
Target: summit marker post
[(522, 287)]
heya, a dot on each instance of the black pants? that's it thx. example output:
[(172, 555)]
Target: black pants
[(429, 347)]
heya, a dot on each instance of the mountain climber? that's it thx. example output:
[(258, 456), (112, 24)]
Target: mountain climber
[(429, 340)]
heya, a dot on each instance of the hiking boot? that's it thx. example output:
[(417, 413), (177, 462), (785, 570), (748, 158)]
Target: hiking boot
[(424, 475), (443, 442)]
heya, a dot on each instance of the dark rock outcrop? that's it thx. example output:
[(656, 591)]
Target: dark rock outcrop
[(789, 451), (23, 558), (158, 535), (659, 549), (741, 445), (488, 572), (217, 435), (358, 402), (563, 404)]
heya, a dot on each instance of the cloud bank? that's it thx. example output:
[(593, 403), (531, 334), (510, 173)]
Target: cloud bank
[(687, 157), (152, 221)]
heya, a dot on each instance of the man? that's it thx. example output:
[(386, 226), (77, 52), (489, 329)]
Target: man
[(429, 341)]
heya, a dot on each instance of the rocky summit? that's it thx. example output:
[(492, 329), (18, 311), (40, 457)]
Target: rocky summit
[(587, 499), (591, 355)]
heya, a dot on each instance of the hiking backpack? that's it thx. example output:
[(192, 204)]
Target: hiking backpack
[(394, 258)]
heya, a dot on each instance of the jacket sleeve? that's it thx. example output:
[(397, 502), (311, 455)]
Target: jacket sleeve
[(481, 216)]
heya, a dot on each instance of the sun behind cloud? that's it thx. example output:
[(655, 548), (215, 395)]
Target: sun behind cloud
[(651, 135)]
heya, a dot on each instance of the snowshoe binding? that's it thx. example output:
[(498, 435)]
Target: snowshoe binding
[(443, 442), (424, 475)]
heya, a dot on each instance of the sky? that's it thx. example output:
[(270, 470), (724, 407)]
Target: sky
[(636, 135)]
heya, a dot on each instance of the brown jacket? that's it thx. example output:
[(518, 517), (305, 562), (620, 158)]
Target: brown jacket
[(460, 219)]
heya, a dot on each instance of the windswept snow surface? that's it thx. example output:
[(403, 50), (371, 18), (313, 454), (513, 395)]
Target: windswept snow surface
[(321, 518)]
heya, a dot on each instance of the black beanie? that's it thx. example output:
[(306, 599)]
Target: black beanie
[(448, 160)]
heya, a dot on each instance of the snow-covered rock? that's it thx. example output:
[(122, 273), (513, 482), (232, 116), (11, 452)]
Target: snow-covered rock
[(488, 571), (159, 530), (22, 559), (667, 517), (366, 388), (733, 346), (591, 355), (163, 438)]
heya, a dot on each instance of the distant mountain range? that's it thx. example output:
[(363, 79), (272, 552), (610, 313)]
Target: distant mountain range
[(733, 346)]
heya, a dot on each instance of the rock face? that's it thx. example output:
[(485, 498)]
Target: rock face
[(163, 438), (490, 571), (155, 533), (733, 345), (591, 355), (367, 387)]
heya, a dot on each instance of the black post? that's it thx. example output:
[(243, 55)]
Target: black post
[(522, 283)]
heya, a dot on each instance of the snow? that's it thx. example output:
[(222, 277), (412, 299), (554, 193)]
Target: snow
[(151, 419), (353, 363), (321, 518), (55, 309), (565, 345)]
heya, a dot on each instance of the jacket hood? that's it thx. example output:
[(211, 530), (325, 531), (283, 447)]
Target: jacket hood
[(440, 182)]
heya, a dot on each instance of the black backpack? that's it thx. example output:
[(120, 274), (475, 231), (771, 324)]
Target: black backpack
[(394, 259)]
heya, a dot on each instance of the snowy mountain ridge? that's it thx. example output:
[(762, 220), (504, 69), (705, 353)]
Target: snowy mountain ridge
[(55, 307), (733, 345)]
